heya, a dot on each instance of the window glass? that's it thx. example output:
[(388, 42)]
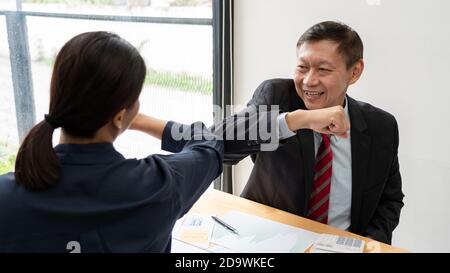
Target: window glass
[(157, 8), (7, 5), (179, 64), (8, 133), (178, 56)]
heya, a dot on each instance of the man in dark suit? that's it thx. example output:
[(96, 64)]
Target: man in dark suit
[(322, 169)]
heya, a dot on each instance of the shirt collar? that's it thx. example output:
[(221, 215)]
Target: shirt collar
[(346, 107), (87, 154)]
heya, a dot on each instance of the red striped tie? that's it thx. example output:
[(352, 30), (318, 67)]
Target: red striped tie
[(320, 194)]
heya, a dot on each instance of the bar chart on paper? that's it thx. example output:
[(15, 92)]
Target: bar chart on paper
[(259, 235)]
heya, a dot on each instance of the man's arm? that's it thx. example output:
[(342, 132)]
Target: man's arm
[(242, 132), (330, 121), (387, 215)]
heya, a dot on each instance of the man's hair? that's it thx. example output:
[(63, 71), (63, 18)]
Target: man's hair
[(350, 44)]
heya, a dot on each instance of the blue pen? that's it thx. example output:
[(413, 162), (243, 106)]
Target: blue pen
[(225, 225)]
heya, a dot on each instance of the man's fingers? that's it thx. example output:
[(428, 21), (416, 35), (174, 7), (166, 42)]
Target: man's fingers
[(324, 131), (338, 133), (339, 126), (344, 135), (331, 121), (339, 130)]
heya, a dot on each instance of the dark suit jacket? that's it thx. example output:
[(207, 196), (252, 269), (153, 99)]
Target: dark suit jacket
[(283, 178)]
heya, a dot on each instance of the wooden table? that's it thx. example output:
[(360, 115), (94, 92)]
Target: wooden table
[(219, 203)]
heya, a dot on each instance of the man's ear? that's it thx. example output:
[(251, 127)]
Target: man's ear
[(357, 71), (118, 119)]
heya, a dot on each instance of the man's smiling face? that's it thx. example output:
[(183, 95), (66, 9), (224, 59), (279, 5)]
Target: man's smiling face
[(321, 76)]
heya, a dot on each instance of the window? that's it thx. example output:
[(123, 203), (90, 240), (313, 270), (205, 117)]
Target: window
[(179, 82), (175, 37), (8, 133)]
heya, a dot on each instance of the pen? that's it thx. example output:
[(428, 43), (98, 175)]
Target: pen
[(225, 225)]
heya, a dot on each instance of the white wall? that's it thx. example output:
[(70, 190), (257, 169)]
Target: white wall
[(407, 54)]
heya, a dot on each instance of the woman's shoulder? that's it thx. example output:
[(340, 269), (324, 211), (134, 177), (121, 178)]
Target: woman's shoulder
[(7, 181)]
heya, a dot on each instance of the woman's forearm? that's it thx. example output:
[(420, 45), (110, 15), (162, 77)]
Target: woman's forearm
[(149, 125)]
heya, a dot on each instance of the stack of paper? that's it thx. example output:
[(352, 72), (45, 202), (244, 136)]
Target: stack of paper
[(195, 229)]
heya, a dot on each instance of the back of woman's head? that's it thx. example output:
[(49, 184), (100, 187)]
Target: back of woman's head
[(95, 76)]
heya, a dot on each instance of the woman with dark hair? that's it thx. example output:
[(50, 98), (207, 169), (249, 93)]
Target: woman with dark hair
[(83, 195)]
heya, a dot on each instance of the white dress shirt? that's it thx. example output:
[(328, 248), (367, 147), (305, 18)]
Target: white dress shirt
[(339, 212)]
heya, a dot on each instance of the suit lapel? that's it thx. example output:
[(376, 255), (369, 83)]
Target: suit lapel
[(306, 140), (360, 145)]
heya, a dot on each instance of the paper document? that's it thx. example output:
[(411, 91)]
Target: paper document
[(259, 235), (183, 247), (195, 229)]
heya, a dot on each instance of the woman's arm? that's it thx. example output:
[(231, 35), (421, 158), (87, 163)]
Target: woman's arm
[(149, 125)]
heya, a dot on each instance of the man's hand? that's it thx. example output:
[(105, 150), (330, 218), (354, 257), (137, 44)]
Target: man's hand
[(330, 121)]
